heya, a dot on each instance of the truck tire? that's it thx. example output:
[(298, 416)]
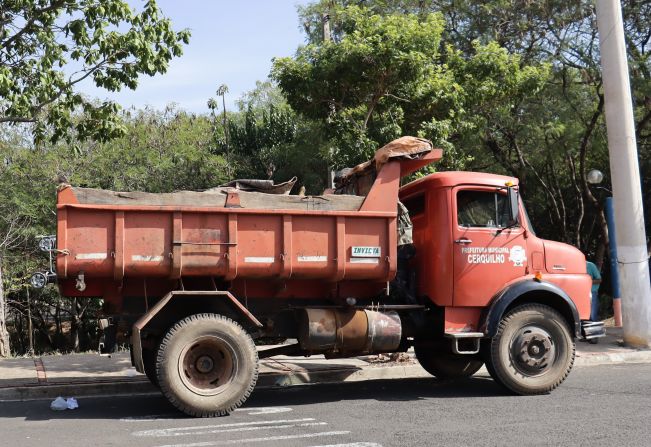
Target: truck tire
[(532, 351), (149, 362), (207, 365), (446, 365)]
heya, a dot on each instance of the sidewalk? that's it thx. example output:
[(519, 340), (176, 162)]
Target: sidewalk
[(90, 374)]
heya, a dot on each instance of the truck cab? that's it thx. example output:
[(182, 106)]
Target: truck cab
[(469, 249), (501, 295)]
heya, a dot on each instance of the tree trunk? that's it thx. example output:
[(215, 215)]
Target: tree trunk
[(74, 326), (5, 349), (58, 336), (29, 323)]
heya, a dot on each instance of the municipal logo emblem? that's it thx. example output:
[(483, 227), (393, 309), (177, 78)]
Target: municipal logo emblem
[(518, 256)]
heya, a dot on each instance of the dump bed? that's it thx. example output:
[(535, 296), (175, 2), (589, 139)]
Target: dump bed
[(228, 233)]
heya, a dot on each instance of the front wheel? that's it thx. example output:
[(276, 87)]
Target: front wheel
[(207, 365), (532, 351)]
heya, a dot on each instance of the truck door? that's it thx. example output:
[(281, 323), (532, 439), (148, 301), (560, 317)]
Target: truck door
[(487, 254)]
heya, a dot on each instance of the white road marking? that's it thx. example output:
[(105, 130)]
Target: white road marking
[(353, 444), (234, 429), (177, 431), (151, 418), (265, 410), (265, 439), (251, 411)]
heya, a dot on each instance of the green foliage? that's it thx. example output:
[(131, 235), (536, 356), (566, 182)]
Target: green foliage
[(389, 75), (356, 85), (161, 152), (46, 48), (269, 140), (260, 138)]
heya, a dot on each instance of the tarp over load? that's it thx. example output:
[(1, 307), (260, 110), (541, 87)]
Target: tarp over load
[(352, 185), (216, 197), (359, 180)]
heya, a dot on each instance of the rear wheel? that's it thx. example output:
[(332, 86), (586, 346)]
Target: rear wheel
[(149, 362), (442, 364), (532, 351), (207, 365)]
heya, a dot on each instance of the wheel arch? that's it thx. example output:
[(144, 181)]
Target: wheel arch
[(526, 292), (179, 304)]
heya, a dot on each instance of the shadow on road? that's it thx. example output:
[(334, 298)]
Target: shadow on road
[(378, 390), (156, 406)]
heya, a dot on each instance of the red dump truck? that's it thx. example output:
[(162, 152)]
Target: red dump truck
[(448, 264)]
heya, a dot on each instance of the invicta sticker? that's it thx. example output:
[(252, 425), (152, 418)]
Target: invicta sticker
[(366, 252)]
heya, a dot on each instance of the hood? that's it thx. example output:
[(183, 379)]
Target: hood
[(563, 258)]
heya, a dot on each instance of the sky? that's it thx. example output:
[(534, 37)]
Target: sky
[(232, 43)]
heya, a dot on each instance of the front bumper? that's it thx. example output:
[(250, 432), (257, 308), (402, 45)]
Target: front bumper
[(592, 329)]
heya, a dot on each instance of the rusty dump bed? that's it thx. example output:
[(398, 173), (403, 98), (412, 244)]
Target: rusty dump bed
[(228, 233)]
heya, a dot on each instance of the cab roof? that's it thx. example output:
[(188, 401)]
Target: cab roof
[(449, 179)]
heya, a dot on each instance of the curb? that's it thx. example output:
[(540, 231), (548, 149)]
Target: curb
[(274, 380), (78, 389), (613, 358)]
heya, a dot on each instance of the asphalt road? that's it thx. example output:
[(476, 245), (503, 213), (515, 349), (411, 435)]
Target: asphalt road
[(598, 405)]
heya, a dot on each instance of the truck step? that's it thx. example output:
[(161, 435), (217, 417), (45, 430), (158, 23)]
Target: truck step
[(470, 343)]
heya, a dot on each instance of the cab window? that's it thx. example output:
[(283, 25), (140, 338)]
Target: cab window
[(415, 205), (484, 209)]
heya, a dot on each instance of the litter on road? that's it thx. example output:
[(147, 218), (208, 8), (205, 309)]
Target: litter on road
[(60, 404)]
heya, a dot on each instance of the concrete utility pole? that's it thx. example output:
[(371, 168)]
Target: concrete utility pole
[(327, 37), (625, 175)]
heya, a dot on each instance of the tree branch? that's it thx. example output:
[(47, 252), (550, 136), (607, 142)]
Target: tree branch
[(28, 24), (642, 124)]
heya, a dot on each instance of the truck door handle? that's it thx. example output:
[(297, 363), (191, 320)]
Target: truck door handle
[(463, 240)]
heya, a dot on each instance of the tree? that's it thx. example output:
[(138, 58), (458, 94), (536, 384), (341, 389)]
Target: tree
[(269, 140), (12, 225), (213, 106), (48, 47), (383, 76)]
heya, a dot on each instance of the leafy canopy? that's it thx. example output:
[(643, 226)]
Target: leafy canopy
[(47, 47), (384, 76), (267, 139)]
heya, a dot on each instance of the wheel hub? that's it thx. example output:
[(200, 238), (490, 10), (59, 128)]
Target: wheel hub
[(533, 350), (204, 364), (207, 365)]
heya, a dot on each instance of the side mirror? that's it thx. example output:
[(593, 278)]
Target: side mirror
[(514, 208)]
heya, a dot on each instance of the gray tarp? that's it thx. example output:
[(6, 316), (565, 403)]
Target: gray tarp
[(266, 186), (217, 197)]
